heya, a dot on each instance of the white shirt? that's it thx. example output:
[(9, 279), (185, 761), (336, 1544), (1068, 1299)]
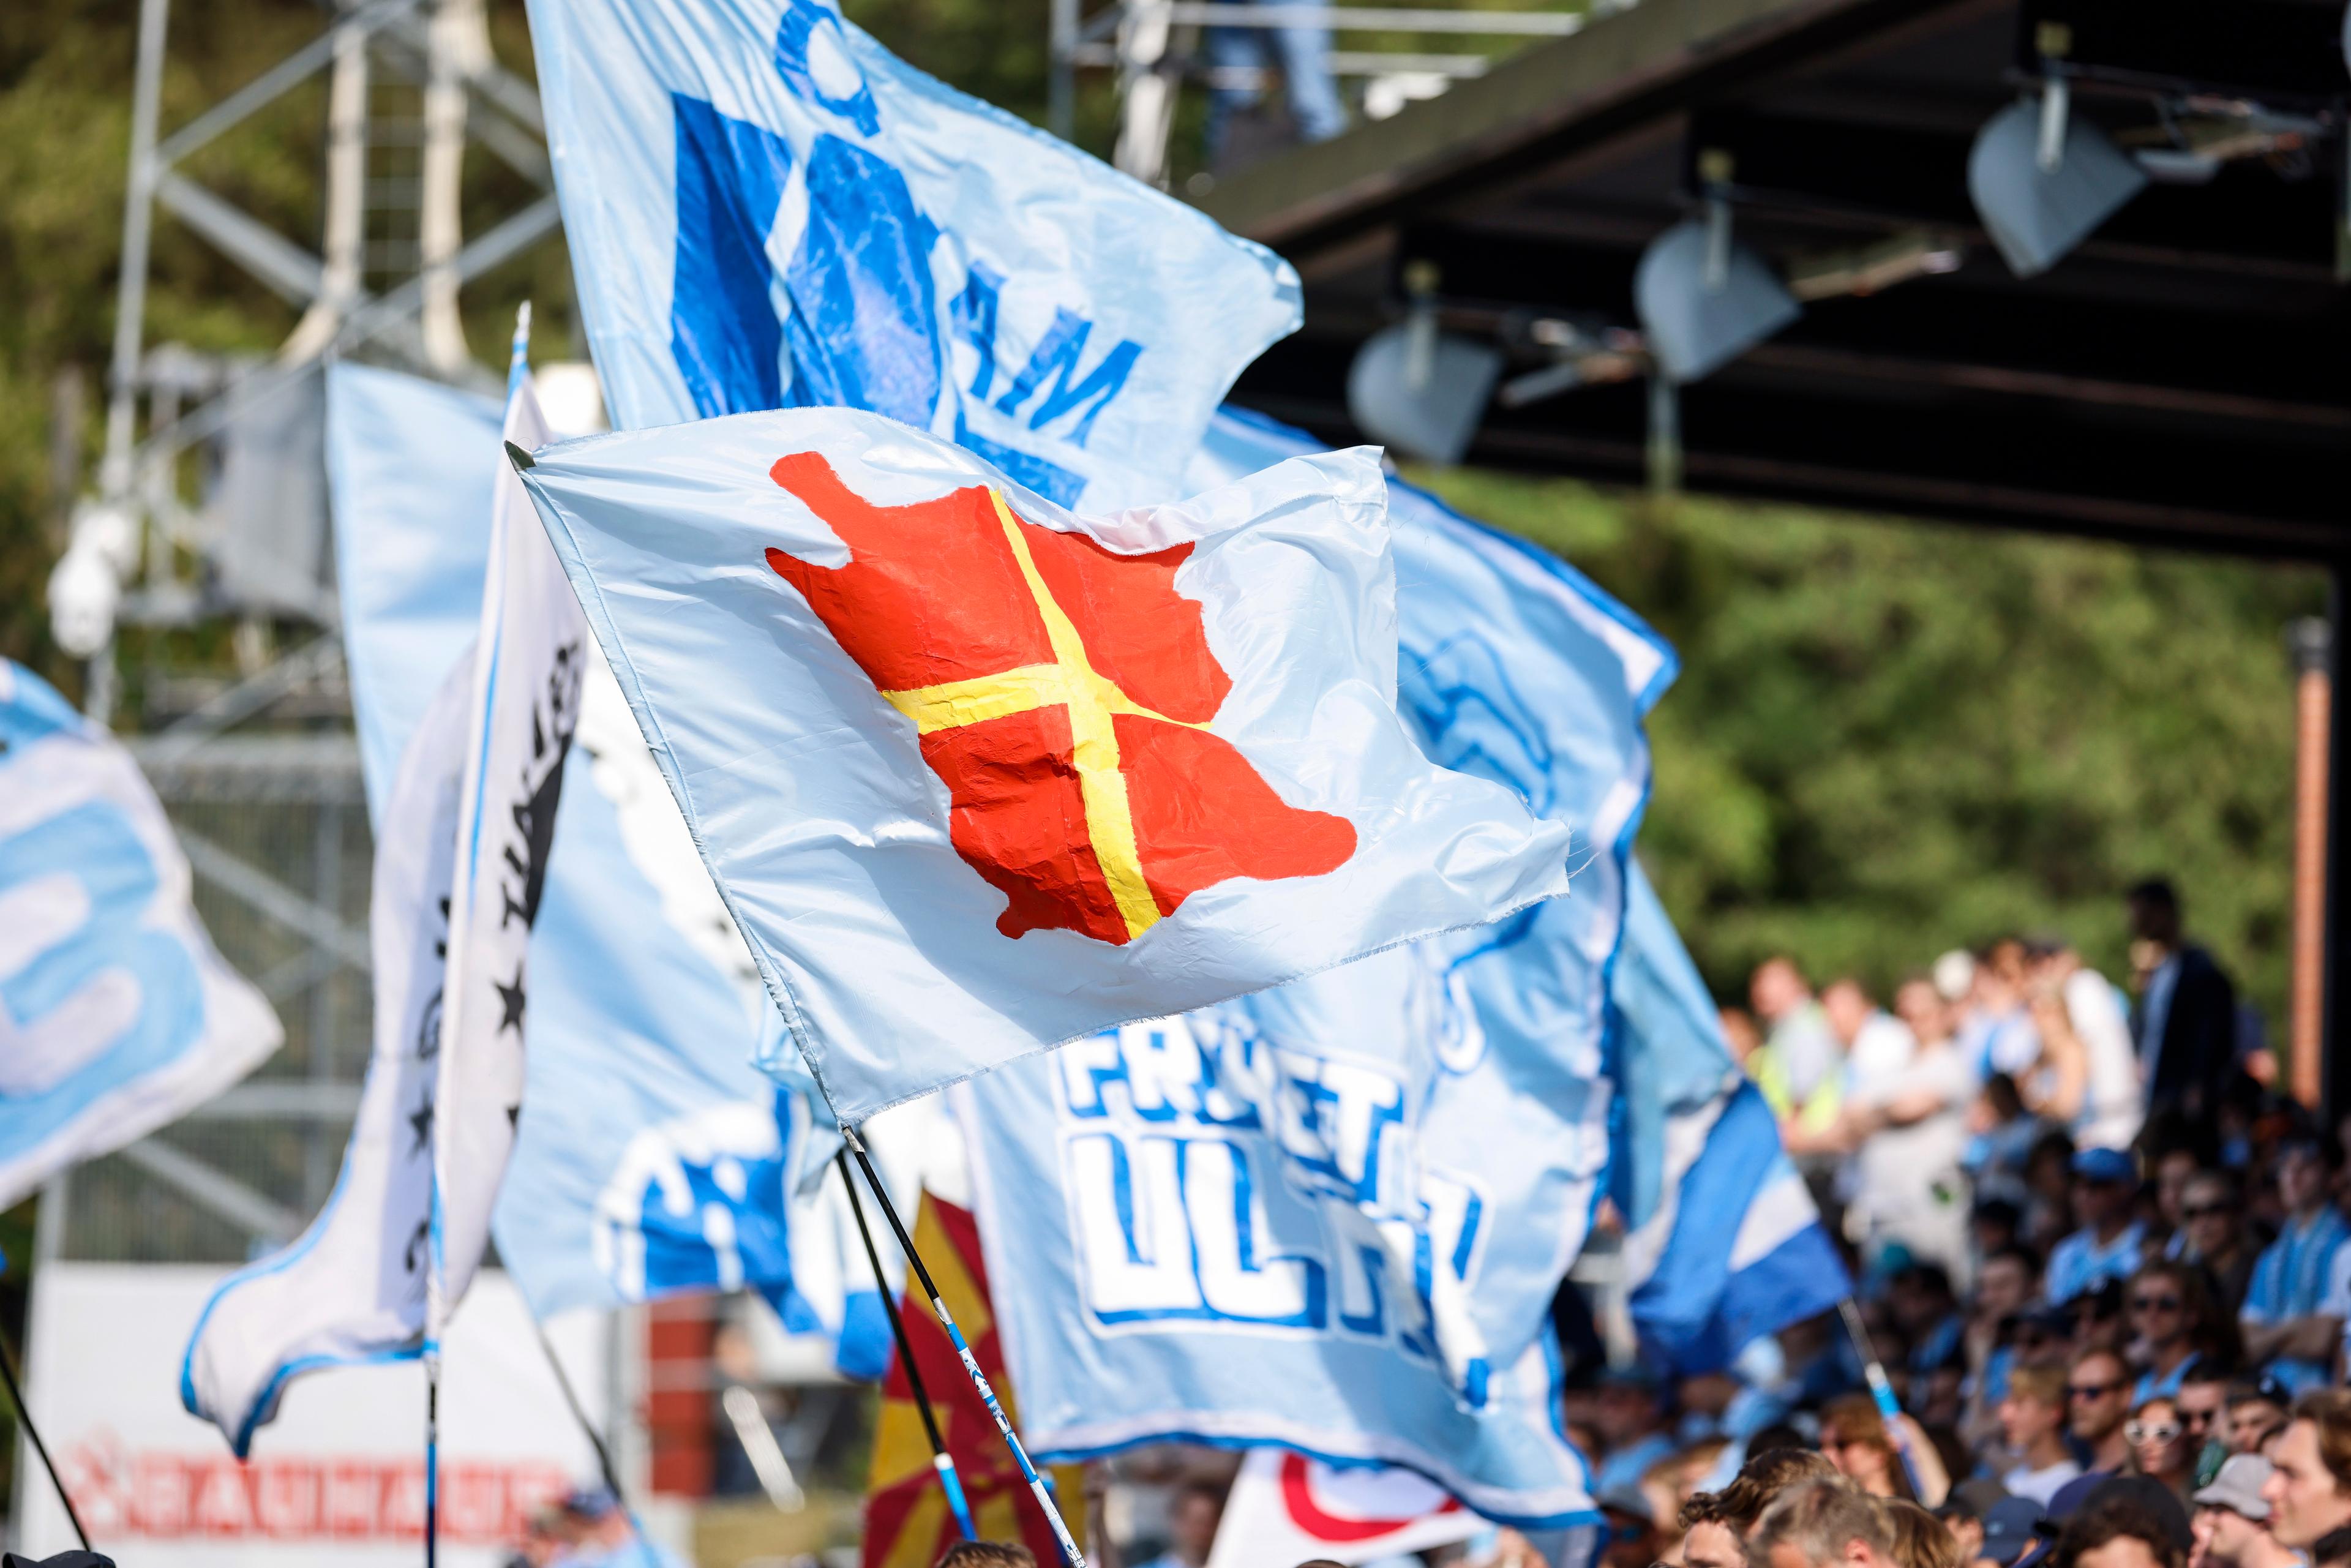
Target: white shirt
[(2041, 1485), (2112, 1098), (1882, 1049), (1914, 1170)]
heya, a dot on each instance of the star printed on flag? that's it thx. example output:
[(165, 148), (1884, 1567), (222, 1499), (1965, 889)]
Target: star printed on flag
[(977, 774), (1063, 694)]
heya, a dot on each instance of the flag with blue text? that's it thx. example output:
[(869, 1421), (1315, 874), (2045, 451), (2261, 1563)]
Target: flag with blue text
[(1234, 1227), (978, 774), (767, 209), (116, 1014)]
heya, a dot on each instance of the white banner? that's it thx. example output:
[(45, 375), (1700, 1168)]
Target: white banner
[(337, 1480), (1286, 1509)]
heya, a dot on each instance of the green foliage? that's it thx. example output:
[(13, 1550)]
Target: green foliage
[(1893, 738)]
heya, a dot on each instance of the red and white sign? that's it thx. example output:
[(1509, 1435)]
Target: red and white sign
[(337, 1479), (1286, 1509)]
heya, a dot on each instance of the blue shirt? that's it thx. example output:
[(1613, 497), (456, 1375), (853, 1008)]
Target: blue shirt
[(2078, 1263), (2290, 1275), (2150, 1386), (1625, 1466)]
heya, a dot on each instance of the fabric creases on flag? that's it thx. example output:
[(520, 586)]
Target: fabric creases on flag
[(352, 1289), (649, 1158), (829, 227), (1725, 1243), (908, 1522), (530, 665), (955, 712), (117, 1015), (1227, 1233), (1517, 668)]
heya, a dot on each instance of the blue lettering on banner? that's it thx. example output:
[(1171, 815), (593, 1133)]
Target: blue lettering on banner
[(860, 325), (1216, 1181)]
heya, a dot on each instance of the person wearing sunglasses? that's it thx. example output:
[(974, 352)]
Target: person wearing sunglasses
[(2213, 1232), (2098, 1403), (2203, 1404), (2175, 1325), (2159, 1446)]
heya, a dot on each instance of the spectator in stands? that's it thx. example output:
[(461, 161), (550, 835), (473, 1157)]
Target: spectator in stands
[(2258, 1412), (2012, 1530), (2033, 1421), (1714, 1525), (2006, 1283), (1797, 1067), (1239, 55), (1630, 1415), (2175, 1325), (1920, 1539), (2309, 1488), (2105, 1185), (1193, 1515), (2186, 1031), (2214, 1231), (1824, 1524), (2231, 1523), (2159, 1446), (2049, 1188), (1909, 1126), (2087, 1076), (1854, 1437), (2286, 1326), (2175, 1167), (2203, 1406), (2098, 1404), (2002, 1136), (988, 1554), (2128, 1523)]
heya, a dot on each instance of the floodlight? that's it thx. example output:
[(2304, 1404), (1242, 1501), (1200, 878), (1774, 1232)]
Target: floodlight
[(1704, 299), (2042, 182), (1419, 390)]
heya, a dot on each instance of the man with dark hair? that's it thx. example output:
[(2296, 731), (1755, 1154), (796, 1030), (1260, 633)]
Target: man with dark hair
[(2286, 1324), (2117, 1534), (2309, 1489), (2098, 1403), (2258, 1411), (2186, 1027), (2203, 1402), (1823, 1525)]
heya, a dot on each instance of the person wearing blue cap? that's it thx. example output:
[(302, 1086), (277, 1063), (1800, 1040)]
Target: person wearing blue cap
[(2107, 1246), (2011, 1528)]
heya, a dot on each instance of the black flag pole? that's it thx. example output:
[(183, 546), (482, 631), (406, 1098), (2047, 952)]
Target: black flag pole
[(605, 1465), (431, 1454), (941, 1460), (1044, 1493), (24, 1414)]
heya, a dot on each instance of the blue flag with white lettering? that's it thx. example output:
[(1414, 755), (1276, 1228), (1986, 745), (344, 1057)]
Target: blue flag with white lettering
[(768, 210), (650, 1157)]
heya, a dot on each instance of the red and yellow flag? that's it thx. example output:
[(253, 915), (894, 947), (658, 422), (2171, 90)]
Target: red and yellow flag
[(907, 1521)]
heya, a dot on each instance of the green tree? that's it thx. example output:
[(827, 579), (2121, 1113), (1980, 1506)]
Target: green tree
[(1891, 738)]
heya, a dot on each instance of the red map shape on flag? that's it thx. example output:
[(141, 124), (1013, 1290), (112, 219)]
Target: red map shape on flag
[(1062, 692)]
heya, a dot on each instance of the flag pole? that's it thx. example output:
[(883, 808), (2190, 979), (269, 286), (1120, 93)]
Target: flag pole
[(940, 1459), (588, 1429), (432, 1453), (1037, 1486), (1889, 1409), (25, 1414)]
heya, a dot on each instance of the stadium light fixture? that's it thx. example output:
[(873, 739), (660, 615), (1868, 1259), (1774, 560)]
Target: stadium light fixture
[(1418, 390), (1703, 298)]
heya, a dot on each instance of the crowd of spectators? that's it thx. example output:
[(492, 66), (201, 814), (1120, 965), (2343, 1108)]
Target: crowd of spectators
[(2102, 1261)]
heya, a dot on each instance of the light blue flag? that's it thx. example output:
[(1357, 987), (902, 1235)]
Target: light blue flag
[(650, 1157), (1516, 667), (116, 1014), (1229, 1229), (767, 209), (1724, 1243)]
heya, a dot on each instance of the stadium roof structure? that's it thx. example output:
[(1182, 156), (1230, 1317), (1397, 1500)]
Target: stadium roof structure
[(2181, 377)]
